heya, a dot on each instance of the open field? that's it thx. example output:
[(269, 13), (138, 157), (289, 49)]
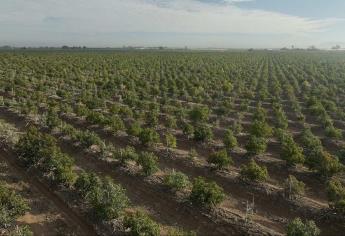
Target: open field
[(174, 143)]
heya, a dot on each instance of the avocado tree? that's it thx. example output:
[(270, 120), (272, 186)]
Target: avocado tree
[(328, 165), (148, 137), (253, 172), (176, 181), (12, 207), (203, 133), (260, 129), (52, 119), (336, 195), (108, 199), (139, 224), (124, 155), (229, 140), (152, 119), (220, 159), (291, 152), (260, 113), (39, 150), (170, 142), (188, 130), (256, 145), (293, 188), (298, 228), (199, 114), (148, 162), (333, 132), (237, 127), (116, 124), (206, 194), (134, 129)]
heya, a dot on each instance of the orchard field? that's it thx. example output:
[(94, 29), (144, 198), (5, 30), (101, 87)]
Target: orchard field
[(172, 142)]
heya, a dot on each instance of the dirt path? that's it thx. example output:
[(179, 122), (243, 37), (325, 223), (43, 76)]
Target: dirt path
[(72, 218)]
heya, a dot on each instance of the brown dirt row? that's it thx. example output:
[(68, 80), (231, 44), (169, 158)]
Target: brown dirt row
[(277, 171), (155, 198), (231, 185)]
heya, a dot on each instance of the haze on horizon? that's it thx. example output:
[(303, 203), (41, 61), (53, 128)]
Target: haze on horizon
[(173, 23)]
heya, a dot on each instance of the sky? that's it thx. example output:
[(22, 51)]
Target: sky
[(173, 23)]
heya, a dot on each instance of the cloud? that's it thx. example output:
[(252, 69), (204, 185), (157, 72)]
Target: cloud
[(191, 16), (53, 20), (223, 1), (43, 18)]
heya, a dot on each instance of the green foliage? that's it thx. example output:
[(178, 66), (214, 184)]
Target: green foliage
[(170, 141), (23, 230), (188, 130), (318, 159), (171, 122), (52, 119), (201, 90), (205, 193), (192, 154), (177, 181), (261, 129), (281, 120), (8, 133), (244, 105), (109, 200), (203, 133), (199, 114), (95, 118), (134, 129), (260, 114), (256, 145), (310, 142), (126, 154), (291, 152), (140, 224), (33, 146), (81, 110), (86, 183), (116, 124), (333, 132), (180, 232), (152, 119), (341, 155), (39, 150), (149, 163), (106, 199), (293, 187), (60, 167), (253, 172), (340, 206), (148, 137), (87, 138), (220, 159), (298, 228), (335, 191), (327, 164), (12, 206), (237, 127), (230, 140)]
